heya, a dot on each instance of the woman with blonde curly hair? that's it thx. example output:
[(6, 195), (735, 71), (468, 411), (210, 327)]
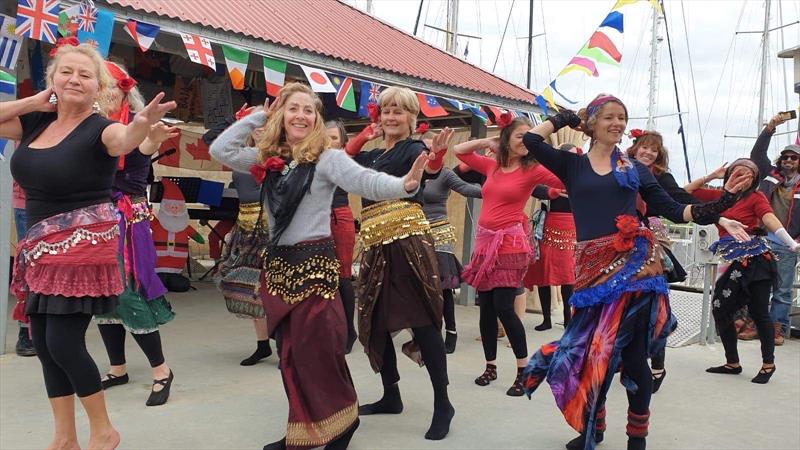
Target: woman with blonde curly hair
[(300, 289), (65, 163), (398, 285)]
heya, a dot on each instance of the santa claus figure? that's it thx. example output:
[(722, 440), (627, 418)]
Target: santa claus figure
[(171, 233)]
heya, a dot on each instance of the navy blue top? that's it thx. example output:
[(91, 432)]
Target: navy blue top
[(597, 200)]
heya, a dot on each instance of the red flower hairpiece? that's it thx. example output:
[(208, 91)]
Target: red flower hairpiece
[(71, 40), (422, 128), (504, 120), (126, 84), (636, 133), (272, 164), (374, 112)]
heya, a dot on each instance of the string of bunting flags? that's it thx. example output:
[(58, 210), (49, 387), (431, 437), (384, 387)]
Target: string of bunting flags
[(46, 20)]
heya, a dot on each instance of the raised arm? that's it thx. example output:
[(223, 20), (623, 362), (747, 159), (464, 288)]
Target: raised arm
[(717, 174), (554, 160), (229, 149), (456, 184), (370, 132), (122, 139), (10, 124), (350, 176), (759, 152)]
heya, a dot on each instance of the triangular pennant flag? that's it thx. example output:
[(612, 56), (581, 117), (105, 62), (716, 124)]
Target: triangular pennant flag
[(38, 19), (318, 80), (601, 41), (540, 100), (95, 27), (598, 56), (345, 94), (199, 50), (614, 20), (274, 75), (429, 106), (236, 60), (144, 34)]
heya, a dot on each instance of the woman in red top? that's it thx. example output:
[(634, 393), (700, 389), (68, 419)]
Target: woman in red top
[(502, 248), (747, 277)]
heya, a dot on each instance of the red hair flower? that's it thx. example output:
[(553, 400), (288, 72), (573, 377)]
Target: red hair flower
[(71, 40), (126, 84), (272, 164), (636, 133), (422, 128), (504, 120), (374, 112)]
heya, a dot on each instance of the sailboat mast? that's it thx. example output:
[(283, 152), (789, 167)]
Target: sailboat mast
[(764, 54), (452, 27), (653, 83), (677, 95), (530, 43)]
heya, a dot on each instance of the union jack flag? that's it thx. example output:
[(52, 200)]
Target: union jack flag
[(87, 17), (38, 19)]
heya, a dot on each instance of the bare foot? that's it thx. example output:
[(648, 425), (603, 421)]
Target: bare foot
[(64, 444), (106, 441)]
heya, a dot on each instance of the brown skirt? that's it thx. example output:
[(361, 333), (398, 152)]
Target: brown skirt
[(398, 288), (317, 381)]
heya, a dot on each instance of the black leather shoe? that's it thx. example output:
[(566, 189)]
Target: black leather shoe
[(160, 397), (114, 380), (24, 345)]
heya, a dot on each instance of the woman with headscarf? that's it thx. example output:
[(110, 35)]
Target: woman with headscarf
[(621, 309), (142, 306)]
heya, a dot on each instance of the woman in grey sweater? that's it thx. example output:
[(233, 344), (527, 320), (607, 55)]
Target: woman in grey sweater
[(299, 290)]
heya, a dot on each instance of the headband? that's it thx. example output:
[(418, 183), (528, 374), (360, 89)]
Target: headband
[(596, 104), (71, 41)]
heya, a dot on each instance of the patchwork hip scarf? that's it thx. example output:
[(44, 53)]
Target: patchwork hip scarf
[(72, 254), (488, 268), (306, 317), (136, 245), (742, 263), (616, 277)]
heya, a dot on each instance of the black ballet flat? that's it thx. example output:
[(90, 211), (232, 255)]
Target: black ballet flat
[(763, 375), (278, 445), (726, 369), (658, 378), (160, 397), (114, 380)]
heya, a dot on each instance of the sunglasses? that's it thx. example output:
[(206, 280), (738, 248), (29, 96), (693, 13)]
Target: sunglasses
[(790, 157)]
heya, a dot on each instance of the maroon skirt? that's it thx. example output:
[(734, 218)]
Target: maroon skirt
[(556, 263), (343, 229)]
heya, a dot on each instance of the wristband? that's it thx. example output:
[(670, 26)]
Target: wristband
[(437, 162)]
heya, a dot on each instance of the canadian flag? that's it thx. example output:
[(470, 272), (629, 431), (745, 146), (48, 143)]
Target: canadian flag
[(318, 80), (199, 50)]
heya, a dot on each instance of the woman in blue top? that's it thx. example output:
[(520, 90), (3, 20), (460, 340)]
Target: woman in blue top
[(621, 306)]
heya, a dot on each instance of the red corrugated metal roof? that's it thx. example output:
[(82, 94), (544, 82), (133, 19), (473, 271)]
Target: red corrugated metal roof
[(337, 30)]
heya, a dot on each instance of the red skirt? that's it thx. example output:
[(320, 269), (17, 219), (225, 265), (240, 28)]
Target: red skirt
[(343, 229), (556, 263), (322, 400)]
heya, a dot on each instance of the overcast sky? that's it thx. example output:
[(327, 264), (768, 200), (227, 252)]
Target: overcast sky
[(726, 100)]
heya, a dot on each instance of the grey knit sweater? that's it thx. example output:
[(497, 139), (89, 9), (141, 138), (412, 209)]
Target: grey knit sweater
[(312, 220)]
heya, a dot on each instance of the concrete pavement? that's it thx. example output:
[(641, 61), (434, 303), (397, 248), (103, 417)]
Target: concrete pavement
[(218, 404)]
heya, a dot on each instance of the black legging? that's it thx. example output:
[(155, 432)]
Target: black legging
[(544, 299), (634, 364), (657, 360), (431, 346), (60, 343), (499, 304), (449, 312), (758, 306), (114, 340), (348, 295)]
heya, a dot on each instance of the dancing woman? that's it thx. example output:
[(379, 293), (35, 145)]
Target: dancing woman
[(66, 267), (398, 287), (343, 229), (437, 191), (502, 248), (621, 309), (555, 265), (748, 273), (142, 306), (300, 288)]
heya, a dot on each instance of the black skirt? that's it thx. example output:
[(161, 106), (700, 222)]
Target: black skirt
[(58, 304)]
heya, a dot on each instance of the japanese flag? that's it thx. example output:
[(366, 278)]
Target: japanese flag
[(318, 80)]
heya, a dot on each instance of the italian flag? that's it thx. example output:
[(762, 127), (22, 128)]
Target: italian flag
[(274, 74), (236, 61)]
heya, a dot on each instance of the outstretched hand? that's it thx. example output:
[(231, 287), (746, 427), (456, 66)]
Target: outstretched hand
[(414, 176), (441, 140), (160, 132), (155, 110), (735, 228)]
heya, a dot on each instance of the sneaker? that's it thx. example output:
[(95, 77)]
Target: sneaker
[(778, 333), (24, 345)]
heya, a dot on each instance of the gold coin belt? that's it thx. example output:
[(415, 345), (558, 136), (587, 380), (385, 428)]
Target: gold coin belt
[(443, 233), (248, 216), (386, 222), (317, 275)]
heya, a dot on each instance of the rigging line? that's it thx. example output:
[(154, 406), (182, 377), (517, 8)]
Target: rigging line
[(731, 49), (503, 37), (783, 60), (694, 86), (480, 44), (546, 46), (631, 72), (516, 44)]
